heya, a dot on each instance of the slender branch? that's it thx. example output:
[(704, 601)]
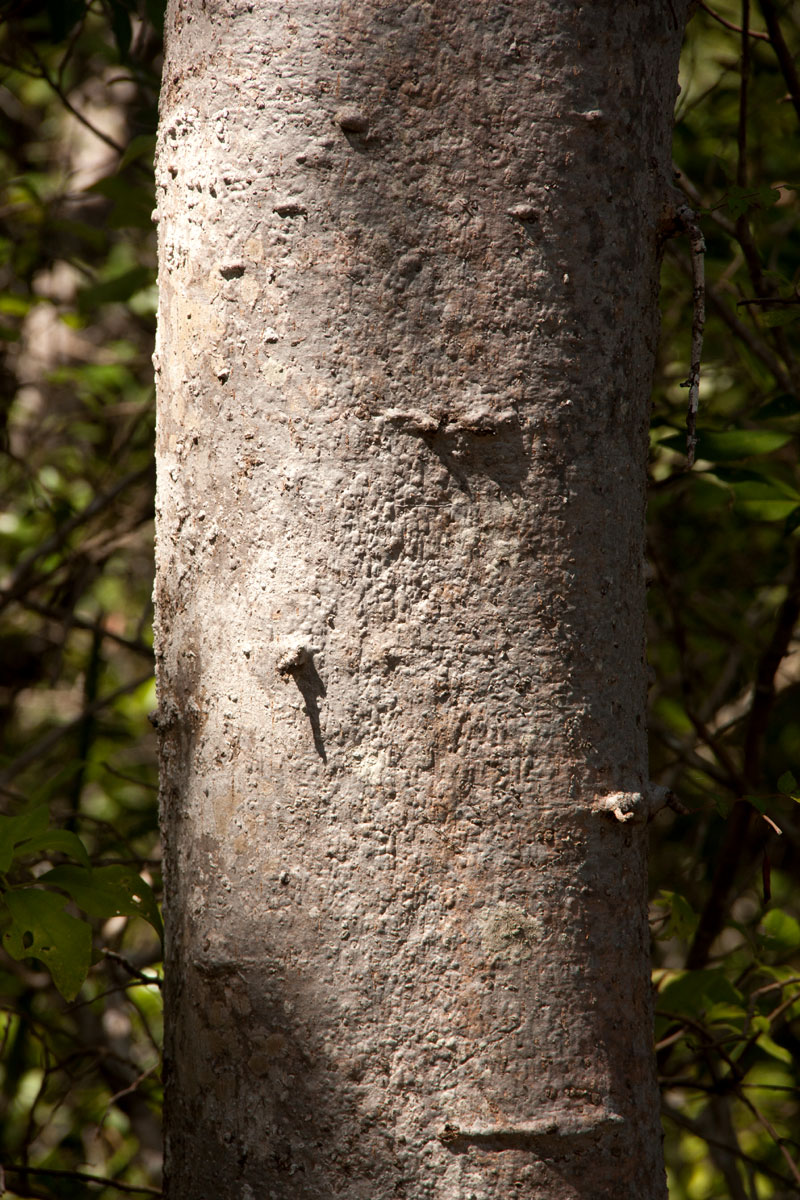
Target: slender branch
[(45, 743), (150, 787), (768, 300), (83, 1176), (70, 107), (687, 187), (753, 33), (685, 1122), (737, 844), (691, 226), (677, 1083), (734, 1081), (745, 334), (783, 1007), (716, 1118), (750, 338), (773, 655), (739, 232), (744, 83), (772, 1132), (132, 1087), (687, 757), (733, 778), (64, 616), (782, 52), (130, 968), (775, 985), (120, 988), (70, 49), (19, 581)]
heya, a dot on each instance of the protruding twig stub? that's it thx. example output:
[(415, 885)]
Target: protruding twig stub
[(351, 119), (294, 657), (638, 807), (523, 212), (290, 206)]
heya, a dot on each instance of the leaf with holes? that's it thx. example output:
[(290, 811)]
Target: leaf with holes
[(41, 929), (115, 891)]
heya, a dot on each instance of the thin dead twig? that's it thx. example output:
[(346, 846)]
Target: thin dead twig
[(691, 226)]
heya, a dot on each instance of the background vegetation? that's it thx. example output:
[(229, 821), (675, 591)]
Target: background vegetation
[(79, 1082)]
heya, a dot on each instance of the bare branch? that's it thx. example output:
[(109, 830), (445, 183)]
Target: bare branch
[(753, 33), (782, 52), (45, 743), (688, 221), (20, 580), (131, 968), (83, 1176)]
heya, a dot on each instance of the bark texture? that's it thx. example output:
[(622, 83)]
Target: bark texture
[(408, 268)]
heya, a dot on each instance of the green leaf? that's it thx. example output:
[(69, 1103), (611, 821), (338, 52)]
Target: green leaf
[(763, 480), (132, 206), (730, 445), (760, 502), (682, 917), (20, 828), (692, 992), (784, 405), (141, 146), (27, 834), (115, 891), (738, 200), (118, 289), (121, 28), (723, 1013), (787, 784), (54, 839), (772, 1048), (723, 805), (12, 305), (764, 510), (779, 316), (155, 13), (64, 16), (781, 931), (760, 494), (41, 929)]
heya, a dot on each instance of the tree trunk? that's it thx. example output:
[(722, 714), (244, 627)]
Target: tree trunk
[(408, 266)]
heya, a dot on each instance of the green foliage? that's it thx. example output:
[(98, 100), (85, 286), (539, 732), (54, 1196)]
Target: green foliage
[(725, 601), (24, 835), (33, 919), (113, 891), (80, 1021), (39, 928)]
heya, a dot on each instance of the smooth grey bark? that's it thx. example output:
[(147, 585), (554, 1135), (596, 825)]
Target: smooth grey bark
[(408, 269)]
